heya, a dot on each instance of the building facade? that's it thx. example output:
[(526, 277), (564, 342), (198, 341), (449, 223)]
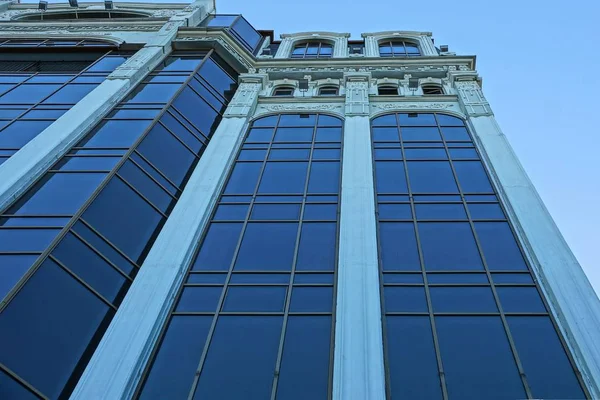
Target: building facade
[(191, 208)]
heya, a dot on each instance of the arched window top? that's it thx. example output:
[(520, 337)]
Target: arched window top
[(398, 48), (387, 90), (283, 91), (81, 14), (312, 49), (328, 91)]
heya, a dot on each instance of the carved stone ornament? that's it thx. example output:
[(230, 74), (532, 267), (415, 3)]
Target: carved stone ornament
[(78, 28), (266, 108), (222, 42), (400, 106)]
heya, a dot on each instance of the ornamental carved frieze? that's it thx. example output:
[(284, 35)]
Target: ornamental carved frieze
[(78, 28), (377, 108), (302, 107), (223, 43)]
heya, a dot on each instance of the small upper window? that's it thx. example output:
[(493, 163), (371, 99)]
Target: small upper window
[(283, 92), (387, 90), (313, 50), (432, 89), (328, 91), (398, 48)]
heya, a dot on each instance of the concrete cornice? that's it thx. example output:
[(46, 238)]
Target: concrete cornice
[(316, 35), (396, 33)]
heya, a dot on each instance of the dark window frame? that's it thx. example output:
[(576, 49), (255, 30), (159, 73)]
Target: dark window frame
[(387, 90), (310, 44), (332, 91), (404, 44), (283, 91)]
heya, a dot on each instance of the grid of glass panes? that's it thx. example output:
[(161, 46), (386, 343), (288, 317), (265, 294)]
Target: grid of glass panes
[(239, 28), (398, 48), (72, 245), (30, 101), (313, 50), (52, 43), (463, 315), (254, 317)]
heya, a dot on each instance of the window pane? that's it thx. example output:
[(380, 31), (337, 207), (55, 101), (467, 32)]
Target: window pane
[(70, 94), (45, 347), (449, 120), (459, 134), (520, 299), (218, 246), (289, 154), (462, 299), (305, 362), (320, 212), (328, 134), (146, 186), (87, 163), (386, 134), (398, 247), (395, 211), (197, 111), (153, 93), (19, 133), (167, 154), (324, 177), (267, 246), (449, 246), (312, 299), (548, 371), (12, 268), (294, 135), (241, 359), (476, 350), (416, 119), (390, 177), (317, 249), (276, 211), (385, 120), (11, 389), (119, 133), (512, 278), (90, 267), (411, 358), (440, 211), (388, 154), (283, 177), (217, 78), (28, 94), (26, 239), (472, 177), (456, 278), (58, 194), (426, 154), (244, 177), (405, 299), (486, 211), (178, 358), (260, 135), (199, 298), (462, 154), (132, 223), (431, 177), (255, 298), (499, 246)]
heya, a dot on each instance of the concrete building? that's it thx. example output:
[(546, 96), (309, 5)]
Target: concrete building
[(191, 208)]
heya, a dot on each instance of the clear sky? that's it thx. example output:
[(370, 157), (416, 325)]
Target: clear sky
[(538, 61)]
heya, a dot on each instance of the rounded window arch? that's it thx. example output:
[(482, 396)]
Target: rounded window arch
[(283, 91), (328, 91), (81, 14), (312, 49), (398, 48)]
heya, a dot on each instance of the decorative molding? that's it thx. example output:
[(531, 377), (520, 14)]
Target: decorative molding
[(234, 52), (357, 93), (302, 107), (50, 29), (472, 99), (383, 107)]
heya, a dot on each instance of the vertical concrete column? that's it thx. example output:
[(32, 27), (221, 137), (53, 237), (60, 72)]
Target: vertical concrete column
[(285, 48), (28, 164), (114, 370), (371, 46), (358, 371), (568, 291), (340, 49)]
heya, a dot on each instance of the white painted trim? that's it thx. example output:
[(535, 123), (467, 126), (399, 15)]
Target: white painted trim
[(358, 358)]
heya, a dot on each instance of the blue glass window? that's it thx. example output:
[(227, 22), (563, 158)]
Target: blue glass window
[(462, 299), (431, 177), (218, 247), (255, 298), (390, 177), (398, 247), (449, 246), (472, 177), (413, 370), (405, 299), (520, 299), (12, 268), (267, 246), (317, 247), (476, 350), (499, 246)]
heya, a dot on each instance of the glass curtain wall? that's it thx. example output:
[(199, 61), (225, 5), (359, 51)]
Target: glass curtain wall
[(41, 79), (463, 316), (71, 246), (254, 319)]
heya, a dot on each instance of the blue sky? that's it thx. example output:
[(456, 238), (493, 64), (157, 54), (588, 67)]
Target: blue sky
[(537, 60)]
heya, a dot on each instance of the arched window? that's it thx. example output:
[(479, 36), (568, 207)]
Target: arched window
[(328, 91), (398, 48), (432, 89), (81, 14), (387, 90), (312, 50), (283, 91)]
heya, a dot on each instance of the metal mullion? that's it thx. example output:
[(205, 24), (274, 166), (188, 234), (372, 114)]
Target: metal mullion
[(142, 196), (204, 139), (212, 328), (153, 180), (206, 101), (109, 243), (489, 275), (211, 89), (97, 252), (288, 299), (93, 196), (137, 153), (196, 156), (22, 381), (441, 373), (82, 282)]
